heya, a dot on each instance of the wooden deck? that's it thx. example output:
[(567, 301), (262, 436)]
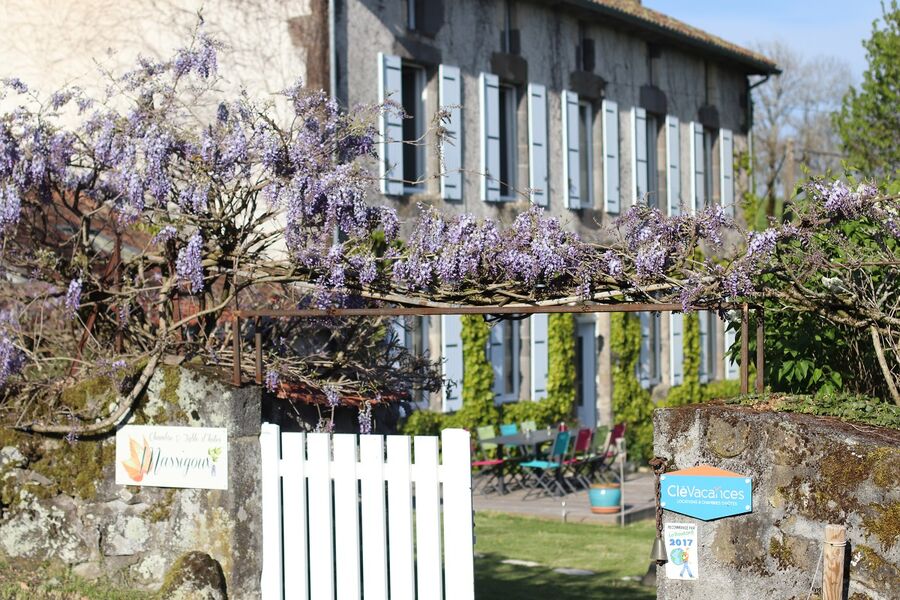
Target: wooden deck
[(638, 492)]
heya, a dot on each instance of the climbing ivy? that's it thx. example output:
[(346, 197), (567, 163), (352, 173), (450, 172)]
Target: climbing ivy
[(557, 406), (631, 403), (478, 392)]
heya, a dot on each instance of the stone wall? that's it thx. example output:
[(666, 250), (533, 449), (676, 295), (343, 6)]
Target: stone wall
[(807, 472), (59, 500)]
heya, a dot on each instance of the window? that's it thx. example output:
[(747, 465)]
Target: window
[(411, 14), (579, 370), (503, 353), (508, 104), (654, 348), (586, 156), (412, 94), (709, 136), (652, 161), (708, 347), (649, 368)]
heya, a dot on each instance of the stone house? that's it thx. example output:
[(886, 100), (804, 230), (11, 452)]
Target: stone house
[(581, 106)]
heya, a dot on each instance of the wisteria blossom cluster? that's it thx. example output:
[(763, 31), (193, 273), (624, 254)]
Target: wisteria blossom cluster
[(132, 222)]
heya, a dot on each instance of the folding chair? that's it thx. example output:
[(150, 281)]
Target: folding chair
[(574, 467), (529, 425), (509, 429), (487, 470), (545, 475), (600, 463)]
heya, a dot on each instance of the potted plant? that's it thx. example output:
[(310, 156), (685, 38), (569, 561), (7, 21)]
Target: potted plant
[(605, 498)]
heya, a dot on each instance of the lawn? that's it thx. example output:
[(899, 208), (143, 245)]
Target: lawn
[(611, 552), (33, 580)]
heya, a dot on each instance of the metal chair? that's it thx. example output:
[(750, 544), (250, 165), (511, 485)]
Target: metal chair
[(546, 475), (487, 470)]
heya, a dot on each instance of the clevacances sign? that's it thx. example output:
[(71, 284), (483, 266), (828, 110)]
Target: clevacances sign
[(180, 457), (706, 493)]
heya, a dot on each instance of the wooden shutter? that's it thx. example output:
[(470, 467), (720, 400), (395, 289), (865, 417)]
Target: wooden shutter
[(639, 164), (731, 366), (645, 356), (704, 318), (676, 348), (673, 160), (726, 162), (537, 144), (698, 160), (489, 86), (451, 148), (539, 360), (572, 159), (452, 361), (611, 156), (390, 125)]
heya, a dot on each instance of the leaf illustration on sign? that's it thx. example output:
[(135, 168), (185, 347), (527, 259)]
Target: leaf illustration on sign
[(139, 460)]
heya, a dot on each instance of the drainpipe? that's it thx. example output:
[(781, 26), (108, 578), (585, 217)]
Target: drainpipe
[(332, 51)]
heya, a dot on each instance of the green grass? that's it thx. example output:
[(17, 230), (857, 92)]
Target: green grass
[(31, 580), (609, 551)]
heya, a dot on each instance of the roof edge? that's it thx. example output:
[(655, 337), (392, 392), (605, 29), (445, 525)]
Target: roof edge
[(755, 66)]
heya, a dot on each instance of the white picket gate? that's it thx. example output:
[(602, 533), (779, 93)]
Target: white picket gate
[(330, 530)]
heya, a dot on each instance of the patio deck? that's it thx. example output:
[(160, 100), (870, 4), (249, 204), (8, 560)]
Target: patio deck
[(639, 503)]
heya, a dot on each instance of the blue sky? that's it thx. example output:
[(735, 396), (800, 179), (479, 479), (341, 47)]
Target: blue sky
[(814, 27)]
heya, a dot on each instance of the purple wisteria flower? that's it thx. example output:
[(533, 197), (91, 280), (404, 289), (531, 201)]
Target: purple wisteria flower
[(365, 418), (165, 234), (73, 297), (11, 359), (332, 397), (272, 380), (189, 265), (10, 207)]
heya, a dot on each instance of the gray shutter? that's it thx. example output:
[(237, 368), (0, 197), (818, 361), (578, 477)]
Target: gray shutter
[(452, 361), (537, 144), (639, 163), (390, 125), (611, 156), (539, 360), (676, 348), (451, 148), (726, 160), (645, 357), (704, 317), (698, 163), (731, 366), (489, 86), (572, 159), (673, 158)]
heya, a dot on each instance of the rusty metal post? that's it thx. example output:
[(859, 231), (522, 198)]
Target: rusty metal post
[(257, 339), (236, 341), (745, 349), (760, 352)]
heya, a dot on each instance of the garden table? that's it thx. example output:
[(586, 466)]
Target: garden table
[(524, 438)]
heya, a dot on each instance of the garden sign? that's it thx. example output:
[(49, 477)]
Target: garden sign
[(706, 493), (179, 457)]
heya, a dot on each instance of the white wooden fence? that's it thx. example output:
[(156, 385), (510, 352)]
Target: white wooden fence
[(331, 531)]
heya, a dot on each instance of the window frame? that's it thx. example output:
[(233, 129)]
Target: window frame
[(508, 104), (418, 123), (586, 152), (654, 370), (514, 369)]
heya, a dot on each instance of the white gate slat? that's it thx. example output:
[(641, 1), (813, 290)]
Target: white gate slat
[(346, 523), (428, 519), (293, 497), (321, 560), (400, 524), (458, 545), (375, 566), (271, 584)]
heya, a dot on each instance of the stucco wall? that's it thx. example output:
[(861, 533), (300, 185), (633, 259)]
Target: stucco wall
[(807, 472), (59, 501)]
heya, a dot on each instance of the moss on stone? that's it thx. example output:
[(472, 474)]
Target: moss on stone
[(883, 521), (162, 509), (167, 396), (75, 469), (88, 393), (876, 570), (194, 572), (885, 472), (781, 551)]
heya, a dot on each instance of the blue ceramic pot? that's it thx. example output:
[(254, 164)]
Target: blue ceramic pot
[(605, 498)]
